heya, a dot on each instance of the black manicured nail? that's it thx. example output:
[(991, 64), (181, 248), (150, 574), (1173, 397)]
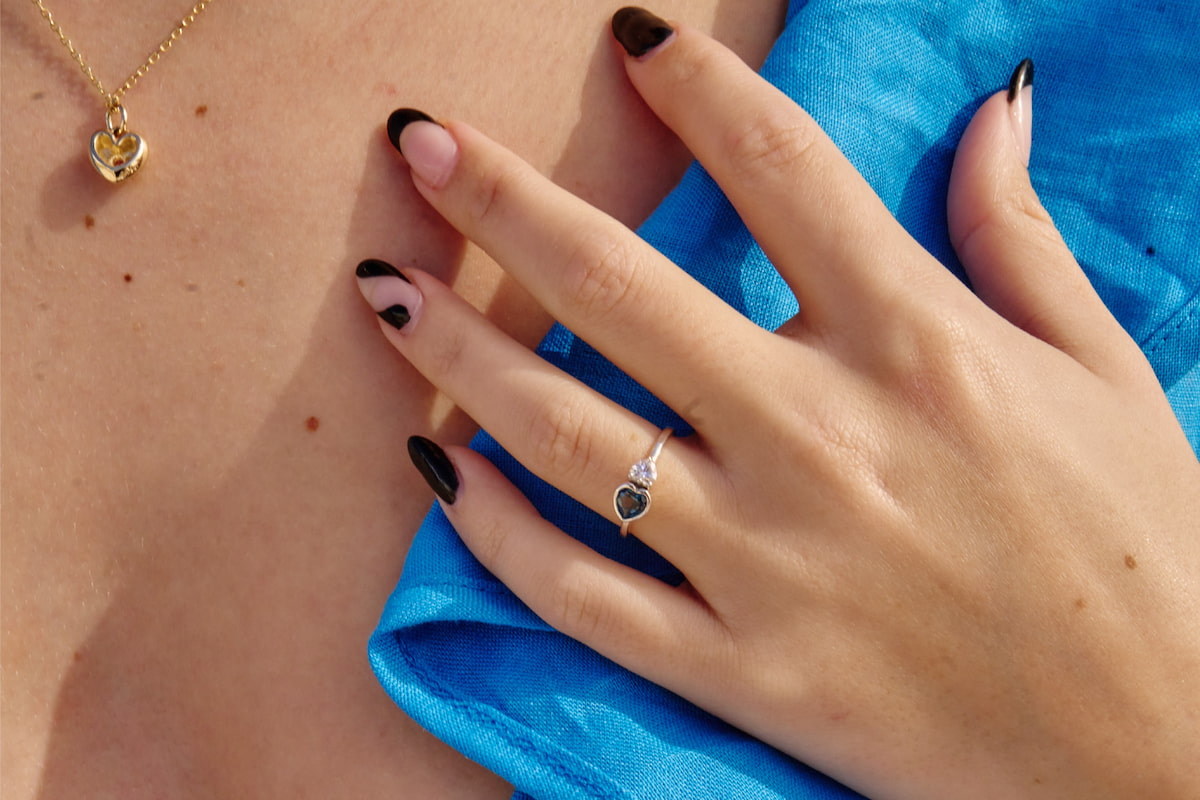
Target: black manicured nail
[(430, 460), (400, 119), (1022, 76), (396, 316), (374, 268), (639, 31)]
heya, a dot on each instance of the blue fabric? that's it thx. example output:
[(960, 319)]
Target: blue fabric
[(1115, 158)]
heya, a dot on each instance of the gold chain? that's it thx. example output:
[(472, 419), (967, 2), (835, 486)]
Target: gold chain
[(112, 101)]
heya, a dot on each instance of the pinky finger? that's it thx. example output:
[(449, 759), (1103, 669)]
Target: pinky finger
[(636, 620)]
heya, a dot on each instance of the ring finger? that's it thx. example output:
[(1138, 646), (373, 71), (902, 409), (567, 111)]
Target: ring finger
[(561, 430)]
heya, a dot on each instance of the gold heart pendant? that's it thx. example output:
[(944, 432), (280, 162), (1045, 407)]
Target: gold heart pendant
[(117, 157)]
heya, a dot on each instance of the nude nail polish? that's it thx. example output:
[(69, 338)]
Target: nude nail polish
[(437, 470), (394, 297), (1020, 107), (429, 149), (639, 31)]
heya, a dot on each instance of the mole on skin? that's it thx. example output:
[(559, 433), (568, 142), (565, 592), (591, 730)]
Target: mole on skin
[(312, 423), (1131, 562)]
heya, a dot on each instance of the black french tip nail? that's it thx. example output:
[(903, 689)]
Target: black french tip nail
[(374, 268), (430, 460), (396, 316), (639, 31), (1022, 76), (400, 119)]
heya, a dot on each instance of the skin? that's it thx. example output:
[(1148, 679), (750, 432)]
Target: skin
[(951, 552), (190, 572)]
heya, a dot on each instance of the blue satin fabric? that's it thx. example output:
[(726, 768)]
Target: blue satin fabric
[(1116, 160)]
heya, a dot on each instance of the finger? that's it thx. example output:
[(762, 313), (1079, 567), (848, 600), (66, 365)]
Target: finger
[(818, 221), (625, 615), (1014, 255), (588, 270), (558, 428)]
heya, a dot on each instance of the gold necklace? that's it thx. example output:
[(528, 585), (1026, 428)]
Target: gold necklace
[(116, 152)]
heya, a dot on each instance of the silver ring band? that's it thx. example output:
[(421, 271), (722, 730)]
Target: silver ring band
[(631, 500)]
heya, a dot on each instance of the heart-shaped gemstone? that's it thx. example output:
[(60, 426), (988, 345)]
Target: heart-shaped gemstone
[(631, 502), (117, 157)]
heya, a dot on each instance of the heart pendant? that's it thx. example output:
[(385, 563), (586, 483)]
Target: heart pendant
[(117, 157), (631, 502)]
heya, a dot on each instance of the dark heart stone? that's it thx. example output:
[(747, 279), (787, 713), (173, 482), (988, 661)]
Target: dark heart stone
[(631, 503)]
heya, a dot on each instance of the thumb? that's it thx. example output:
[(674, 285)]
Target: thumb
[(1014, 255)]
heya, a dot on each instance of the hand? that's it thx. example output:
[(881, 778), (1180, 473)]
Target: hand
[(937, 544)]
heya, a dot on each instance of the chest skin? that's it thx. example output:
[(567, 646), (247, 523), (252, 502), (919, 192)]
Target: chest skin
[(206, 499)]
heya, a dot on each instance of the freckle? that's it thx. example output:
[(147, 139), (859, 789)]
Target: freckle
[(192, 287), (241, 283), (312, 423), (201, 111), (1037, 780), (1080, 604), (128, 278), (1150, 250), (37, 95), (1130, 562), (89, 221), (78, 656)]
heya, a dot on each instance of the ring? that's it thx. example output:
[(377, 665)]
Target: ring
[(632, 498)]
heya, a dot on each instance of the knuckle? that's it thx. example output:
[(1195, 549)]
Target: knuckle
[(1026, 207), (582, 610), (558, 438), (951, 371), (490, 539), (1021, 210), (445, 354), (600, 275), (494, 192), (770, 142), (691, 69)]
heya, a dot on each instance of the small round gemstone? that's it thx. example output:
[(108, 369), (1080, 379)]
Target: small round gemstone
[(643, 473)]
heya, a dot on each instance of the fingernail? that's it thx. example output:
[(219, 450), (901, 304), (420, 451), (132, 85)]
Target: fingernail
[(393, 297), (374, 268), (431, 461), (639, 31), (1020, 106), (429, 149), (400, 119)]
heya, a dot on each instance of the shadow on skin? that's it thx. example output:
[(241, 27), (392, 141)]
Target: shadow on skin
[(226, 636)]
